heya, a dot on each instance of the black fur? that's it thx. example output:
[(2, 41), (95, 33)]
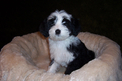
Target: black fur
[(46, 25), (76, 28), (52, 61), (82, 56), (72, 25), (44, 28)]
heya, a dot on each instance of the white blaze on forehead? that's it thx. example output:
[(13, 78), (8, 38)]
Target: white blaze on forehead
[(60, 15)]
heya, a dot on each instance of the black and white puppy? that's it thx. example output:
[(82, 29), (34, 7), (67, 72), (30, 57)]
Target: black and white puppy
[(65, 48)]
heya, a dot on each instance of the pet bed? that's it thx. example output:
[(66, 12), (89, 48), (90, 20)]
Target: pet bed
[(26, 58)]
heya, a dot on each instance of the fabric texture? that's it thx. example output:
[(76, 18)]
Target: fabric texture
[(26, 58)]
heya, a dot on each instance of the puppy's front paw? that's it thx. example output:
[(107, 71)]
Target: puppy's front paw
[(53, 68)]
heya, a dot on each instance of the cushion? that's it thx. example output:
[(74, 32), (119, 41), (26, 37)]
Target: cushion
[(26, 58)]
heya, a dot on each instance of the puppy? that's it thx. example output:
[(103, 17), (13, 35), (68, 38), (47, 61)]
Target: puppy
[(65, 48)]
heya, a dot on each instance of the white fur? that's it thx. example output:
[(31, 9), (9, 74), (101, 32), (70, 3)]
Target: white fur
[(59, 52), (59, 14), (64, 32), (54, 67)]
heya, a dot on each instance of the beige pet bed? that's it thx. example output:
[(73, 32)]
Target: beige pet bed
[(26, 58)]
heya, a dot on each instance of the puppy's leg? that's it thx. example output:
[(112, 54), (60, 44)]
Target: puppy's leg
[(53, 67), (74, 65), (70, 69)]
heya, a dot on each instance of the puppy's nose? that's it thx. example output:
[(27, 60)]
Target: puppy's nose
[(57, 31)]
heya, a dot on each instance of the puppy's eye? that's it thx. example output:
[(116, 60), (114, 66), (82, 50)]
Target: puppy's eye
[(65, 21), (52, 21)]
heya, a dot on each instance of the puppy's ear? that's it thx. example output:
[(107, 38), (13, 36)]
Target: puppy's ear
[(43, 28), (76, 26)]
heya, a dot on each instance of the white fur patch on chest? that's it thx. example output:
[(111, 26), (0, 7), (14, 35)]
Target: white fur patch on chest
[(59, 52)]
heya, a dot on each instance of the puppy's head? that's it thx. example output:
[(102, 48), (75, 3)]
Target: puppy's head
[(59, 25)]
